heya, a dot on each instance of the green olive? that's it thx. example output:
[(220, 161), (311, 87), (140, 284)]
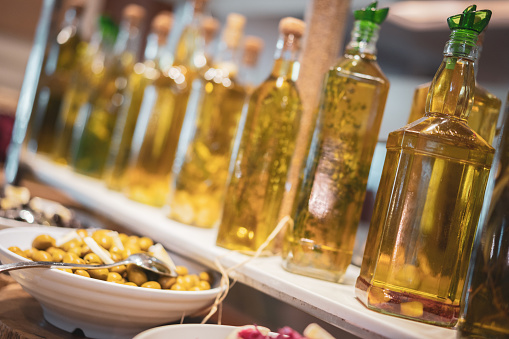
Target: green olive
[(42, 256), (114, 277), (85, 250), (195, 288), (130, 284), (152, 284), (70, 258), (30, 252), (68, 270), (136, 275), (18, 251), (92, 259), (182, 270), (206, 276), (58, 255), (43, 242), (144, 243), (120, 269), (166, 282), (76, 250), (123, 238), (83, 233), (101, 273), (102, 239), (116, 257), (203, 285), (70, 244), (177, 287), (83, 273)]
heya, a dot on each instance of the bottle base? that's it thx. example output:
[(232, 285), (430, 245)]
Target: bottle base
[(313, 272), (406, 305)]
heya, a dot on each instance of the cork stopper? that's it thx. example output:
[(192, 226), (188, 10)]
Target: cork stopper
[(161, 25), (253, 47), (210, 27), (234, 30), (134, 14), (199, 5), (292, 26)]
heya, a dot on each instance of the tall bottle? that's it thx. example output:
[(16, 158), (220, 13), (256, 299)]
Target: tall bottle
[(96, 119), (485, 110), (262, 158), (253, 47), (430, 195), (144, 73), (59, 63), (86, 76), (200, 172), (329, 201), (484, 308), (162, 114)]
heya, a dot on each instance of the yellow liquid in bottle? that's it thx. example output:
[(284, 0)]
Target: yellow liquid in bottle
[(483, 118), (87, 76), (120, 148), (328, 205), (198, 189), (99, 116), (163, 111), (255, 191), (427, 208), (50, 94), (149, 176)]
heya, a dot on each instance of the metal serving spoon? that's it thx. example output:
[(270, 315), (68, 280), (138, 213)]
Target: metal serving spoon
[(143, 260)]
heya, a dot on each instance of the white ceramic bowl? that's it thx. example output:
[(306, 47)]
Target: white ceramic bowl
[(187, 331), (100, 309)]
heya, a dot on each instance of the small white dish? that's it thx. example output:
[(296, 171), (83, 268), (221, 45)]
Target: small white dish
[(187, 331), (100, 309)]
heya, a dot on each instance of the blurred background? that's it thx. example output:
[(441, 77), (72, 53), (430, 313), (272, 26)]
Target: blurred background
[(410, 45)]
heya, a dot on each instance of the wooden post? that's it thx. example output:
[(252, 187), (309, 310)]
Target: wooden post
[(324, 38)]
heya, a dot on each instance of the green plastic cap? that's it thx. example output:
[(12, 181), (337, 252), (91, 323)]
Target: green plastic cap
[(371, 14), (470, 19), (108, 29)]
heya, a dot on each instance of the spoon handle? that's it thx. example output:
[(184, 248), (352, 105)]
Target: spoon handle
[(50, 264)]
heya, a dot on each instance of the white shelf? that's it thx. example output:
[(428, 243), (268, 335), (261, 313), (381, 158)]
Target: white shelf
[(333, 303)]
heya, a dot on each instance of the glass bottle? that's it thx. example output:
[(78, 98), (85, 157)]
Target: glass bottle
[(261, 160), (161, 116), (144, 73), (59, 63), (484, 312), (430, 196), (96, 119), (327, 207), (253, 47), (86, 76), (200, 171), (484, 115)]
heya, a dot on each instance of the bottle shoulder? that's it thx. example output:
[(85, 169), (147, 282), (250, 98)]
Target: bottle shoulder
[(441, 135), (359, 67), (482, 95)]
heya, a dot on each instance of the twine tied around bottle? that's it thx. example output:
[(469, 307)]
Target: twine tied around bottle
[(225, 280)]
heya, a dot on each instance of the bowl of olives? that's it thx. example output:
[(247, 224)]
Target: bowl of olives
[(117, 302)]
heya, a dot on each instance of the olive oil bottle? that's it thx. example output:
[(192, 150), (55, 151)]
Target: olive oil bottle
[(262, 158), (200, 172), (143, 74), (96, 119), (430, 195), (86, 76), (59, 63), (161, 116), (327, 207), (484, 115), (210, 28), (484, 308)]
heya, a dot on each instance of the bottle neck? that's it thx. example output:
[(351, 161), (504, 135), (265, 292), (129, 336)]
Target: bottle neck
[(191, 42), (286, 57), (452, 89), (364, 39), (128, 43)]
